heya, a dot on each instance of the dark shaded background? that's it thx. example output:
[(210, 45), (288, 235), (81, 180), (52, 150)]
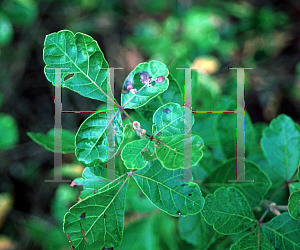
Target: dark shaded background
[(27, 212)]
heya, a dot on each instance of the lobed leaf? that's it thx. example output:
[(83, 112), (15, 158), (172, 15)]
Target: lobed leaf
[(228, 211), (94, 180), (154, 73), (132, 154), (83, 62), (294, 205), (251, 242), (97, 218), (280, 144), (174, 197), (47, 140), (283, 232), (253, 191), (91, 139)]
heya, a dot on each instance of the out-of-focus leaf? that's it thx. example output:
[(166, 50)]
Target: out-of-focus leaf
[(6, 31), (47, 140), (195, 230), (9, 133), (280, 144)]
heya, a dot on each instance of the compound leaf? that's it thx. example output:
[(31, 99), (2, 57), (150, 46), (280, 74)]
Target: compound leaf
[(47, 140), (283, 232), (91, 139), (97, 218), (253, 191), (294, 205), (280, 144), (84, 63), (163, 188), (153, 74), (228, 211)]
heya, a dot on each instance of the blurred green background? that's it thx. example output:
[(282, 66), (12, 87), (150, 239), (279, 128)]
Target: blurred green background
[(211, 35)]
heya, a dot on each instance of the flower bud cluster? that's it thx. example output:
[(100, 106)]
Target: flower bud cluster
[(137, 127)]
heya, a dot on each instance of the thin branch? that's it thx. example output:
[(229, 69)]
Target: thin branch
[(123, 110), (264, 214)]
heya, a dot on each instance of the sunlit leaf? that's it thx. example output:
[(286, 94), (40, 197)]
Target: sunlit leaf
[(80, 55), (97, 218), (132, 154), (91, 139), (153, 74)]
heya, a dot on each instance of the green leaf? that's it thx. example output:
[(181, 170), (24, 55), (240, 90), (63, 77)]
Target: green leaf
[(6, 30), (294, 205), (228, 211), (47, 140), (193, 229), (21, 12), (250, 242), (253, 191), (169, 126), (174, 197), (169, 120), (172, 94), (136, 201), (140, 235), (82, 56), (91, 139), (280, 144), (154, 73), (283, 232), (9, 133), (294, 186), (97, 218), (94, 181), (226, 125), (132, 154), (171, 151)]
